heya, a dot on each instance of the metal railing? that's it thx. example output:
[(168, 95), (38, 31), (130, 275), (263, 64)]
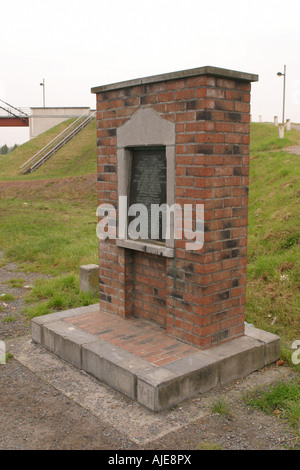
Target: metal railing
[(12, 111), (57, 143)]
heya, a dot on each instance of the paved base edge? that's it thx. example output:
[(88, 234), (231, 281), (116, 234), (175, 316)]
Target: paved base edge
[(156, 387)]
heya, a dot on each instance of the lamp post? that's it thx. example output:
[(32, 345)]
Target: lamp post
[(280, 74), (43, 85)]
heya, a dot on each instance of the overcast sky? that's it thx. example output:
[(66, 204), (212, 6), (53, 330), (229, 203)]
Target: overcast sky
[(78, 44)]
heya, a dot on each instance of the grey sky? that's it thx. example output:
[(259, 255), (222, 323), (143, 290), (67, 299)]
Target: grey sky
[(77, 44)]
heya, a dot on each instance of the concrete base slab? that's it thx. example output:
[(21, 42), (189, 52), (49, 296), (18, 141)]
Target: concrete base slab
[(156, 387)]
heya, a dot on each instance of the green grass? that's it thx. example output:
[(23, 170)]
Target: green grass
[(273, 272), (281, 400), (7, 357), (8, 319), (221, 407), (79, 157), (52, 237), (266, 137), (209, 445), (15, 283), (60, 293), (76, 158), (7, 298), (10, 164)]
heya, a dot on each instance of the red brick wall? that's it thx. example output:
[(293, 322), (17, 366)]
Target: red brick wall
[(198, 296), (150, 287)]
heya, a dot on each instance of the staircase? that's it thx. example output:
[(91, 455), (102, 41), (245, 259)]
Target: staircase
[(62, 139)]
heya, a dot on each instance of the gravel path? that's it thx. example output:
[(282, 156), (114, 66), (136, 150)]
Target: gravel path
[(45, 403), (12, 321)]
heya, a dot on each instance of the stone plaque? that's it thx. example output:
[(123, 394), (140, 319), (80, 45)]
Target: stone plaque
[(148, 185)]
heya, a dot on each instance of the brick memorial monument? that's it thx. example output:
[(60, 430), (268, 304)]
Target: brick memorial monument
[(172, 183), (198, 122)]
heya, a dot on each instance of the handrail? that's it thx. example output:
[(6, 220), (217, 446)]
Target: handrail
[(25, 115), (72, 129), (10, 112), (55, 138)]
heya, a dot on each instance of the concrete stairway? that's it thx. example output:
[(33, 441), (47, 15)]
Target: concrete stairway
[(62, 139)]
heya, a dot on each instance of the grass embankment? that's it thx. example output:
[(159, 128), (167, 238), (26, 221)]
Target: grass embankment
[(76, 158), (48, 218), (48, 222), (273, 244)]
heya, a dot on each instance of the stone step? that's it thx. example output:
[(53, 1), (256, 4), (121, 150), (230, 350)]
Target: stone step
[(156, 387)]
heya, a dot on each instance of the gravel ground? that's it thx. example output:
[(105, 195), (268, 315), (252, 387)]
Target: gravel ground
[(12, 322), (45, 403)]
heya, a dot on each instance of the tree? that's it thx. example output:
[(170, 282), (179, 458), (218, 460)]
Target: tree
[(4, 150)]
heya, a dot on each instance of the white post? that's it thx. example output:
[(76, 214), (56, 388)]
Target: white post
[(281, 131), (2, 353), (288, 124), (276, 120), (260, 118)]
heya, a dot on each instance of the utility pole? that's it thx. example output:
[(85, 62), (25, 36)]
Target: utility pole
[(43, 85), (280, 74)]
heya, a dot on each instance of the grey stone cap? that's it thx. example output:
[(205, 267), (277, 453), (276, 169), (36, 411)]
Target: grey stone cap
[(207, 70)]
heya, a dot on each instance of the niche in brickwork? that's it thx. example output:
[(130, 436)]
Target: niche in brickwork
[(146, 175)]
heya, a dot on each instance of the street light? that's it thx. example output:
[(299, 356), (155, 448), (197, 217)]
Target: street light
[(43, 85), (280, 74)]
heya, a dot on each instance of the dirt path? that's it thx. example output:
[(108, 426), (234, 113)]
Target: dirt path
[(68, 188), (295, 149), (45, 403)]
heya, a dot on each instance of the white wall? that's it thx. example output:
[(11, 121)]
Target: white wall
[(43, 119)]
